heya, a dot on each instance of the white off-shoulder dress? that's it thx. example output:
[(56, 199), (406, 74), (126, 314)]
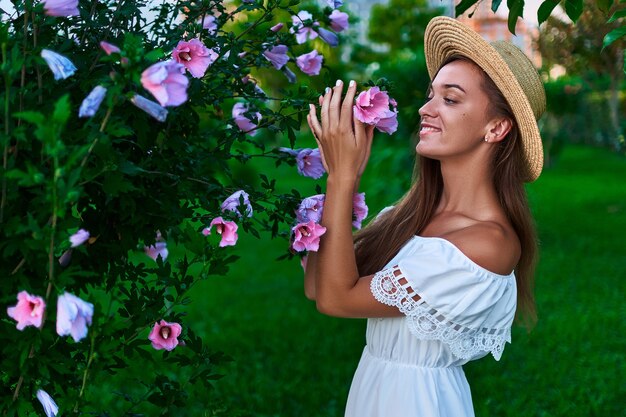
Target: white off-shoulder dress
[(411, 365)]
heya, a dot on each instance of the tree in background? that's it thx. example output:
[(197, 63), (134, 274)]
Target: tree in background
[(578, 48), (397, 56)]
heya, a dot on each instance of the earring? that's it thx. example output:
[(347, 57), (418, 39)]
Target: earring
[(486, 139)]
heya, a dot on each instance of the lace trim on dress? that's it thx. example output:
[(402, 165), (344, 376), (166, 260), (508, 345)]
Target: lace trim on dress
[(390, 287)]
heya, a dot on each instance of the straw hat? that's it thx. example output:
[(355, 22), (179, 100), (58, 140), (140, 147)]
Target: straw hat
[(508, 67)]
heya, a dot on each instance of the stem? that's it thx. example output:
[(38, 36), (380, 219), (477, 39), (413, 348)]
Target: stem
[(53, 231), (95, 141), (39, 80), (5, 153), (20, 381), (86, 372)]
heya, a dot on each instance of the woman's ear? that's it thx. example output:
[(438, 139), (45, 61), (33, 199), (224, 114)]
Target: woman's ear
[(498, 129)]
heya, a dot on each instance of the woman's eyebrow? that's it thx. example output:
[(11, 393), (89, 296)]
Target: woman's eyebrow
[(448, 86)]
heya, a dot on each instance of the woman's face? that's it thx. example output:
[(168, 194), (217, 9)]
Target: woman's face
[(454, 118)]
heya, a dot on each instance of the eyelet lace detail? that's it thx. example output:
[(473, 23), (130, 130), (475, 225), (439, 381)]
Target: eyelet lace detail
[(390, 287)]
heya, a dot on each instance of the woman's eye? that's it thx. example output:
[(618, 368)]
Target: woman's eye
[(449, 100)]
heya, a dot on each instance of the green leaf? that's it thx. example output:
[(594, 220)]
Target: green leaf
[(495, 4), (545, 10), (617, 15), (463, 6), (154, 55), (516, 9), (612, 36), (33, 117), (62, 110), (574, 9)]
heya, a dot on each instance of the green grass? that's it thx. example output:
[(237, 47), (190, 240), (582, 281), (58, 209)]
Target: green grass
[(290, 361)]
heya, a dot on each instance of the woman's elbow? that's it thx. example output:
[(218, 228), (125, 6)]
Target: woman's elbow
[(328, 308)]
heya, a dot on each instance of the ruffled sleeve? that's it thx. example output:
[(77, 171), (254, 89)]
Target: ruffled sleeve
[(448, 297)]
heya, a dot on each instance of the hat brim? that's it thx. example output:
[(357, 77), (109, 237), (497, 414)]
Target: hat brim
[(445, 37)]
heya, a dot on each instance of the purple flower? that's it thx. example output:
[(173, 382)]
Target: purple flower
[(153, 109), (60, 66), (338, 21), (277, 27), (301, 31), (388, 123), (79, 237), (166, 82), (328, 37), (309, 163), (164, 335), (28, 311), (311, 209), (66, 258), (234, 202), (73, 316), (194, 56), (243, 123), (310, 63), (359, 209), (334, 3), (289, 74), (277, 56), (227, 229), (306, 236), (61, 7), (49, 406), (91, 103), (208, 23)]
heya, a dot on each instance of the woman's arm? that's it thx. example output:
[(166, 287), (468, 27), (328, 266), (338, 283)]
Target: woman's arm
[(333, 274)]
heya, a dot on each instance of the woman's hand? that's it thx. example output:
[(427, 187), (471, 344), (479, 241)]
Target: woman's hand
[(344, 141)]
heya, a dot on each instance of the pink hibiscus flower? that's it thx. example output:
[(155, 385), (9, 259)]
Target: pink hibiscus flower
[(373, 107), (164, 335), (166, 82), (227, 229), (194, 56), (28, 311), (306, 236), (310, 63)]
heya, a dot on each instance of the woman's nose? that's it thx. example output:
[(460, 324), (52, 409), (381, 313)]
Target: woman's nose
[(426, 109)]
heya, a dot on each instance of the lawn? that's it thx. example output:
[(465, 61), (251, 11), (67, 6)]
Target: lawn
[(291, 361)]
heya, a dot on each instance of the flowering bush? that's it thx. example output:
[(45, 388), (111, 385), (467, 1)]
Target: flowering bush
[(120, 136)]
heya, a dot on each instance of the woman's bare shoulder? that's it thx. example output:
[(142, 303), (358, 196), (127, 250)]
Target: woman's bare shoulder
[(492, 245)]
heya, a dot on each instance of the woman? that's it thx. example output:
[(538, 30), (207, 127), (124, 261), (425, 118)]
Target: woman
[(441, 274)]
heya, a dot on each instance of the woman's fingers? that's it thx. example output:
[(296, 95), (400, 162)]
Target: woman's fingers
[(325, 108), (335, 103), (314, 123), (348, 102)]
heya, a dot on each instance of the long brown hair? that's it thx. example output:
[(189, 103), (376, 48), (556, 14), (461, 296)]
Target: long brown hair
[(379, 242)]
